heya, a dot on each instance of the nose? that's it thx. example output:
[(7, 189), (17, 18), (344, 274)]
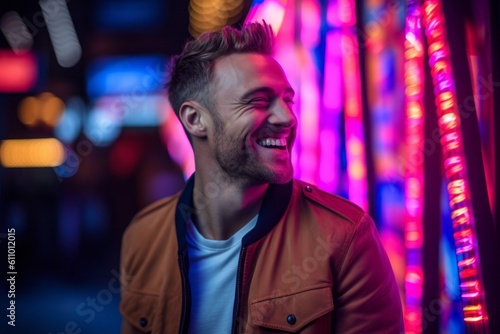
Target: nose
[(282, 115)]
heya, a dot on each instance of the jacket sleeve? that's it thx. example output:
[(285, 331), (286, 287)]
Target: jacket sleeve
[(367, 297)]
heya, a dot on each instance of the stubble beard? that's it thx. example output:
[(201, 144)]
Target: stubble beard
[(242, 167)]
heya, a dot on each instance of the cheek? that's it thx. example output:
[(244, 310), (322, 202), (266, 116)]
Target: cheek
[(243, 130)]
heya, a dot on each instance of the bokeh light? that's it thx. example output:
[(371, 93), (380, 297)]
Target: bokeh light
[(45, 109), (210, 15), (44, 152)]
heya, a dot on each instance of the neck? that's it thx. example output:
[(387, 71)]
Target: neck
[(223, 207)]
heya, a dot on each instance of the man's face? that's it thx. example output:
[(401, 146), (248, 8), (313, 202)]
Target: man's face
[(255, 129)]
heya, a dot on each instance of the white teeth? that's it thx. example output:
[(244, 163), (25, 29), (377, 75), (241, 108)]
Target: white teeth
[(272, 142)]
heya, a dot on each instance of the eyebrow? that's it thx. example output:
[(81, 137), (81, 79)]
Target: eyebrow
[(265, 90)]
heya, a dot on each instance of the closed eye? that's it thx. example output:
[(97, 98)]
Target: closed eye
[(260, 103)]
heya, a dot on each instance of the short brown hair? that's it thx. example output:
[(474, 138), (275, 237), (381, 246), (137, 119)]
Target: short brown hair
[(191, 70)]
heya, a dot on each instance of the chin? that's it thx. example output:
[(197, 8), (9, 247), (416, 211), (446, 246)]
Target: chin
[(280, 176), (265, 175), (284, 178)]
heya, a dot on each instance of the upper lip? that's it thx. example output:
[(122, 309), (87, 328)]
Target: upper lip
[(275, 135)]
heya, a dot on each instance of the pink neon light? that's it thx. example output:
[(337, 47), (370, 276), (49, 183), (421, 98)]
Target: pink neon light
[(332, 14), (271, 11), (331, 113), (332, 99), (178, 145), (18, 72), (475, 312), (309, 32), (413, 277), (414, 175), (356, 161), (413, 287), (347, 12)]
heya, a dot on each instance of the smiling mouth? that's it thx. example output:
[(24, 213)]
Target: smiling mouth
[(273, 143)]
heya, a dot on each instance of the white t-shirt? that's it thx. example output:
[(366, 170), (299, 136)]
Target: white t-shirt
[(213, 265)]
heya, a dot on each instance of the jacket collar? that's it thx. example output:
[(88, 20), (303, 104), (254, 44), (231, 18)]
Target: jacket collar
[(274, 205)]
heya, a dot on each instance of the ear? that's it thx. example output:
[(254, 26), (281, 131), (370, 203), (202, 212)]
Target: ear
[(193, 117)]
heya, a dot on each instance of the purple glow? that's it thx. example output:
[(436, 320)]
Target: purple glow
[(311, 22), (333, 72), (271, 11), (330, 117)]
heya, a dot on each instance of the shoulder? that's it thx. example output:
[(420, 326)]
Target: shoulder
[(149, 248), (334, 204), (155, 208), (154, 218)]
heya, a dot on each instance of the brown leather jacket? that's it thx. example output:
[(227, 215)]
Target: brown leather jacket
[(312, 264)]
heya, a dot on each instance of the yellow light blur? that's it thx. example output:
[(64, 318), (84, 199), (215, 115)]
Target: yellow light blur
[(472, 307), (440, 65), (357, 170), (411, 53), (436, 46), (459, 212), (413, 236), (355, 146), (44, 152), (414, 110)]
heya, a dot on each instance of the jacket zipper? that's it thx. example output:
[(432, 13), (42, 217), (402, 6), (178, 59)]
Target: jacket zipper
[(237, 295), (185, 287)]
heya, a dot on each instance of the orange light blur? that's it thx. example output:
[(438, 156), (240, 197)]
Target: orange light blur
[(45, 152), (45, 109), (210, 15)]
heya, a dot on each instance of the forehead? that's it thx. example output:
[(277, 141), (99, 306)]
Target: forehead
[(238, 73)]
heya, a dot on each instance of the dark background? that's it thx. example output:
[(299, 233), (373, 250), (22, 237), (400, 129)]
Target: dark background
[(68, 230)]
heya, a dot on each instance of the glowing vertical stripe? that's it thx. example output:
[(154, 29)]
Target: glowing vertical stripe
[(355, 141), (474, 308), (414, 174), (309, 122), (330, 116)]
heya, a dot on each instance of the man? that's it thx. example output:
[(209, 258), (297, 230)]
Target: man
[(245, 248)]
